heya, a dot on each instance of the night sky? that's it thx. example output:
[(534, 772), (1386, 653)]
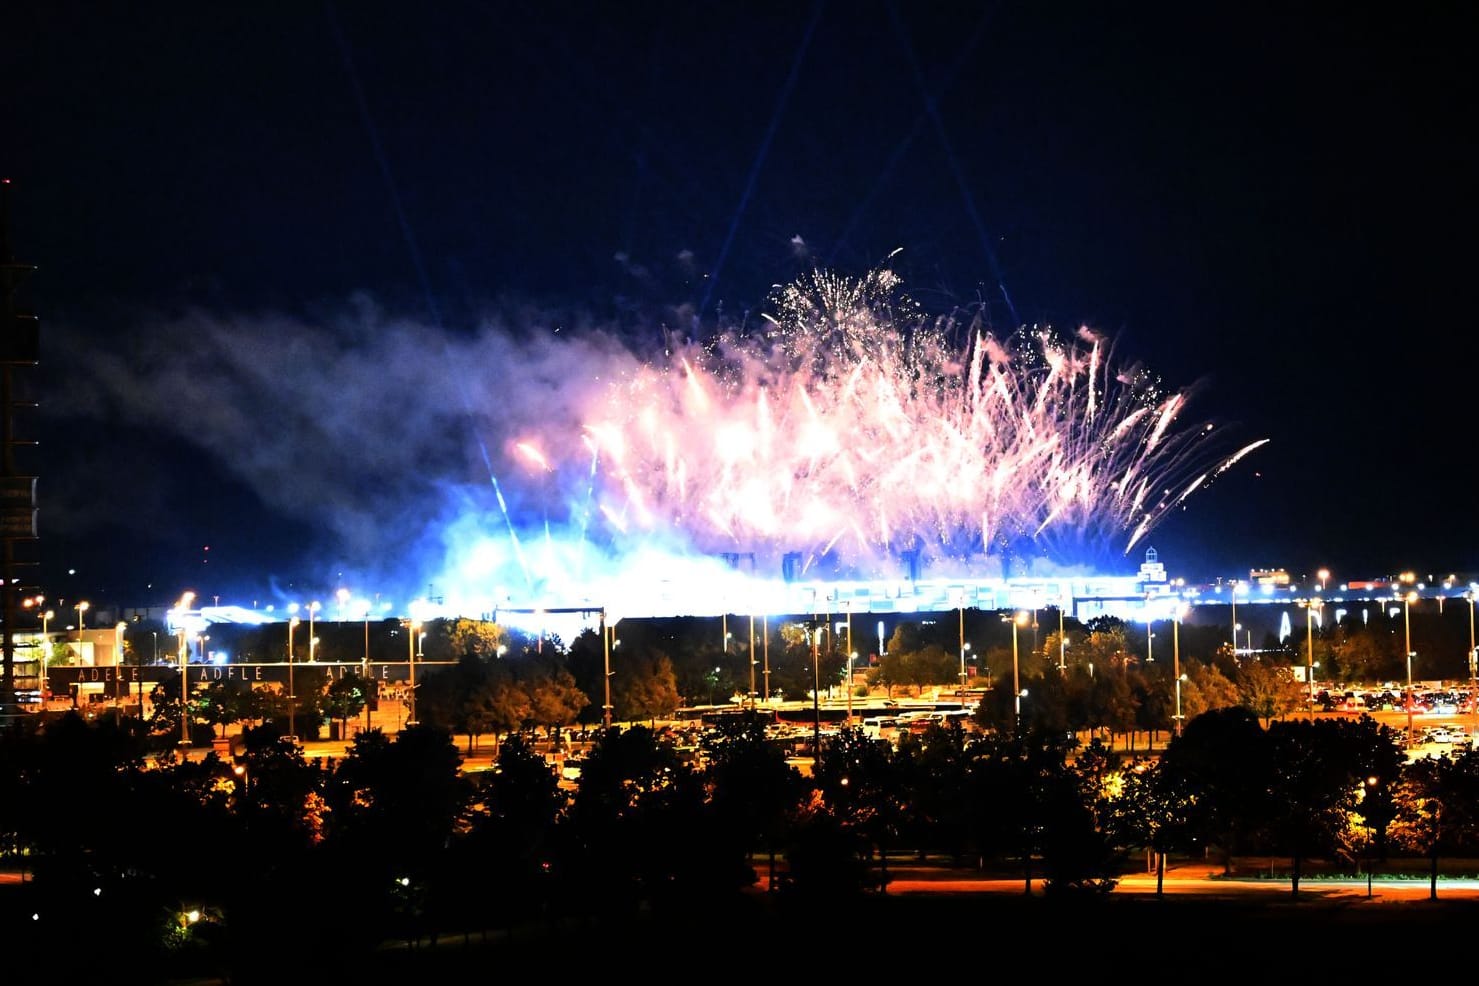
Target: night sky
[(266, 233)]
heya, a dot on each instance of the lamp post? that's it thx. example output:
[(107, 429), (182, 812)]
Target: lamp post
[(292, 697), (1324, 575), (606, 677), (1407, 602), (118, 670), (312, 640), (765, 650), (1237, 629), (1062, 644), (46, 619), (1473, 670), (851, 656), (816, 687), (1176, 662), (413, 626), (963, 646), (367, 666), (81, 608), (1311, 607), (1016, 621), (752, 662), (1236, 588), (180, 608)]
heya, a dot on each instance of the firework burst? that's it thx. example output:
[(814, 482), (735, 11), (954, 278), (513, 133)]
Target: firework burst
[(853, 430)]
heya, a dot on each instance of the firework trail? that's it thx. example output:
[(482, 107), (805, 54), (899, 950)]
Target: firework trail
[(851, 430)]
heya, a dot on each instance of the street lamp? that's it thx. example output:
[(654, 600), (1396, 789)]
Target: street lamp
[(292, 697), (1062, 644), (606, 677), (312, 640), (1017, 620), (1311, 606), (180, 608), (752, 661), (816, 687), (1473, 668), (118, 671), (1176, 616), (1236, 586), (1407, 602), (963, 646), (367, 665), (81, 608), (50, 614), (413, 626), (1324, 575)]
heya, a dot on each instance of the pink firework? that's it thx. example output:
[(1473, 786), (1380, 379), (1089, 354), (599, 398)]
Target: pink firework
[(853, 428)]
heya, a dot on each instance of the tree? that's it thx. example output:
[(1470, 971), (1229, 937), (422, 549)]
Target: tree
[(554, 698), (223, 703), (1222, 763), (345, 698), (1268, 690), (479, 638), (645, 689)]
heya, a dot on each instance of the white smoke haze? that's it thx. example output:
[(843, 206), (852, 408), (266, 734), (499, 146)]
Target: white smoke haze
[(542, 457)]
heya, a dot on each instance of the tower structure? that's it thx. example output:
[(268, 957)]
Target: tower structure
[(19, 348)]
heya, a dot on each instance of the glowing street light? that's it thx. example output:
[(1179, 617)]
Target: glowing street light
[(313, 608), (367, 665), (1473, 666), (413, 628), (1312, 607), (1062, 644), (81, 608), (180, 608), (1017, 619), (1236, 588), (1407, 602), (1176, 616), (292, 698), (1324, 576), (963, 648)]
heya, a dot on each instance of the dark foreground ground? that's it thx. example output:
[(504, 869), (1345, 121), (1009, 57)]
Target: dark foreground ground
[(1131, 935)]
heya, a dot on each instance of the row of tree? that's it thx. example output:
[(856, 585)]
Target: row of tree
[(481, 679), (394, 839)]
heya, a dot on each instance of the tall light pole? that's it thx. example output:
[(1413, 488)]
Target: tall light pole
[(312, 640), (1311, 607), (962, 652), (118, 691), (1062, 644), (1016, 621), (292, 697), (1473, 670), (752, 662), (765, 650), (816, 687), (851, 654), (1176, 659), (367, 666), (81, 608), (1236, 628), (606, 678), (1407, 602), (413, 626), (46, 619), (180, 608)]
